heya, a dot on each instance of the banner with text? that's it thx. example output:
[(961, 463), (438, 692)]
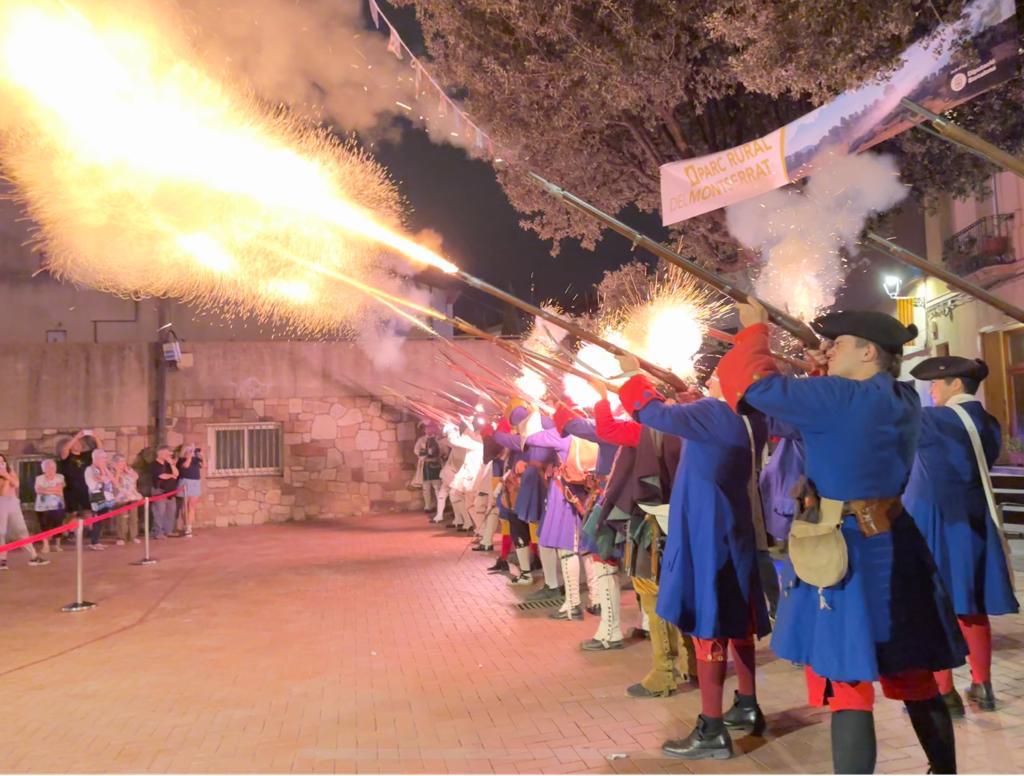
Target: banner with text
[(936, 73)]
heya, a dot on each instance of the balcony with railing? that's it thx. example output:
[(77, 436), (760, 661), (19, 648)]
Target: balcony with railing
[(984, 249)]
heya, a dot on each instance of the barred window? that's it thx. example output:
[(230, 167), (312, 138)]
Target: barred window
[(244, 449)]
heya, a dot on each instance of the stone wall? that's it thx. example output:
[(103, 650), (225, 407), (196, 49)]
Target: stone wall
[(341, 455), (344, 451)]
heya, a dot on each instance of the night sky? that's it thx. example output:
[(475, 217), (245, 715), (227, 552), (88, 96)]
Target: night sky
[(461, 199)]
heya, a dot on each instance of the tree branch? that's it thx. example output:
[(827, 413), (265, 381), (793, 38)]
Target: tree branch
[(677, 134), (642, 140)]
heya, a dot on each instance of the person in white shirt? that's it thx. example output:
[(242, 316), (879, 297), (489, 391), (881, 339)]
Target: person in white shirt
[(50, 510)]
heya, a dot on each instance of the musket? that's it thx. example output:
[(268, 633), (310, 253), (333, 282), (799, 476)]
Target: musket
[(576, 330), (519, 349), (422, 409), (507, 388), (920, 262), (953, 133), (793, 325)]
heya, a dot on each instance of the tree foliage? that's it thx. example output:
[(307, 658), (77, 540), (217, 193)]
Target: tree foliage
[(596, 94)]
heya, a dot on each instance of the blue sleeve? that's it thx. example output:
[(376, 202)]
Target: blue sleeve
[(582, 428), (509, 441), (548, 438), (782, 429), (805, 402), (705, 420)]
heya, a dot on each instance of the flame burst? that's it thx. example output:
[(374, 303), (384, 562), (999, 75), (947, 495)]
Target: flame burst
[(594, 359), (667, 319), (147, 176)]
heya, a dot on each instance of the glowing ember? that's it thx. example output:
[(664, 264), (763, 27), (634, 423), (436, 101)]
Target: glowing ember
[(146, 175)]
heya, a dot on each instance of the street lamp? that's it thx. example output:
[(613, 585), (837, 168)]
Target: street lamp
[(891, 284)]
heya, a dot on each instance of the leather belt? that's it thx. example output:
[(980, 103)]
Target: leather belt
[(874, 515)]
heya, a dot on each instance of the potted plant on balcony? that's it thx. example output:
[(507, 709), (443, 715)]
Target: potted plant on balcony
[(993, 245)]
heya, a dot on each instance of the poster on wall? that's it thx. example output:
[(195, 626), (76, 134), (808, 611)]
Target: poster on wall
[(931, 74)]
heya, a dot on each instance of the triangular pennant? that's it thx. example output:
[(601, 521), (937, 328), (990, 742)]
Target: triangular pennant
[(375, 13), (395, 44)]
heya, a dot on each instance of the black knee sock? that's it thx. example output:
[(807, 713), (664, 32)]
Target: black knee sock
[(853, 741), (934, 730)]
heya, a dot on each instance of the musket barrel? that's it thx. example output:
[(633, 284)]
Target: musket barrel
[(793, 325), (958, 134), (947, 277)]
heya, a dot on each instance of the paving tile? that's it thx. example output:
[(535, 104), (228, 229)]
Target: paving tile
[(376, 645)]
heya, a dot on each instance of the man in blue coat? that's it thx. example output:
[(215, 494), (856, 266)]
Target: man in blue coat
[(946, 498), (709, 585), (886, 617)]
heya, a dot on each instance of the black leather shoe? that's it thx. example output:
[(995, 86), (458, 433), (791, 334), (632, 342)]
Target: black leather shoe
[(747, 719), (498, 567), (954, 703), (481, 548), (594, 609), (576, 613), (700, 744), (982, 695), (639, 691), (639, 633)]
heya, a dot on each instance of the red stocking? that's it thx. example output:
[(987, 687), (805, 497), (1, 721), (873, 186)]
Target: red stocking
[(711, 655), (978, 635), (744, 665), (945, 681), (506, 546)]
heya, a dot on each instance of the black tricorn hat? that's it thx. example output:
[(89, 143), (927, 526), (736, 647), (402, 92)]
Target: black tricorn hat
[(941, 367), (879, 328)]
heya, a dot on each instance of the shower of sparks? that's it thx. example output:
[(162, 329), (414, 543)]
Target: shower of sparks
[(667, 319), (145, 175)]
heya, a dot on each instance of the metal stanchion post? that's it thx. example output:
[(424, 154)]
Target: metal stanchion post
[(79, 605), (146, 560)]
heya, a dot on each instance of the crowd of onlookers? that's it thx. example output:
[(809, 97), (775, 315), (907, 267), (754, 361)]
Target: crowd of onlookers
[(83, 479)]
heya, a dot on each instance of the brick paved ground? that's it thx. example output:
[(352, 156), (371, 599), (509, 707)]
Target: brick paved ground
[(372, 645)]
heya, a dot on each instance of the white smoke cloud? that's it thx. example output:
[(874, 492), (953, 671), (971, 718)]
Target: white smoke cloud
[(319, 58), (382, 338), (802, 233)]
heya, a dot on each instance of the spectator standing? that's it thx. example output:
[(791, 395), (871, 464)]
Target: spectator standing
[(126, 490), (12, 521), (99, 478), (190, 467), (428, 466), (164, 474), (49, 488), (75, 458)]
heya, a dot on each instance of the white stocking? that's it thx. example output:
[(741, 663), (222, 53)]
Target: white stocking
[(570, 563), (608, 595), (549, 563)]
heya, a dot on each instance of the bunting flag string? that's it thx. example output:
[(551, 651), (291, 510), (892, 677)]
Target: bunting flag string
[(463, 124)]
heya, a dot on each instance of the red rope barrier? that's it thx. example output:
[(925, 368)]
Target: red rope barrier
[(86, 522)]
